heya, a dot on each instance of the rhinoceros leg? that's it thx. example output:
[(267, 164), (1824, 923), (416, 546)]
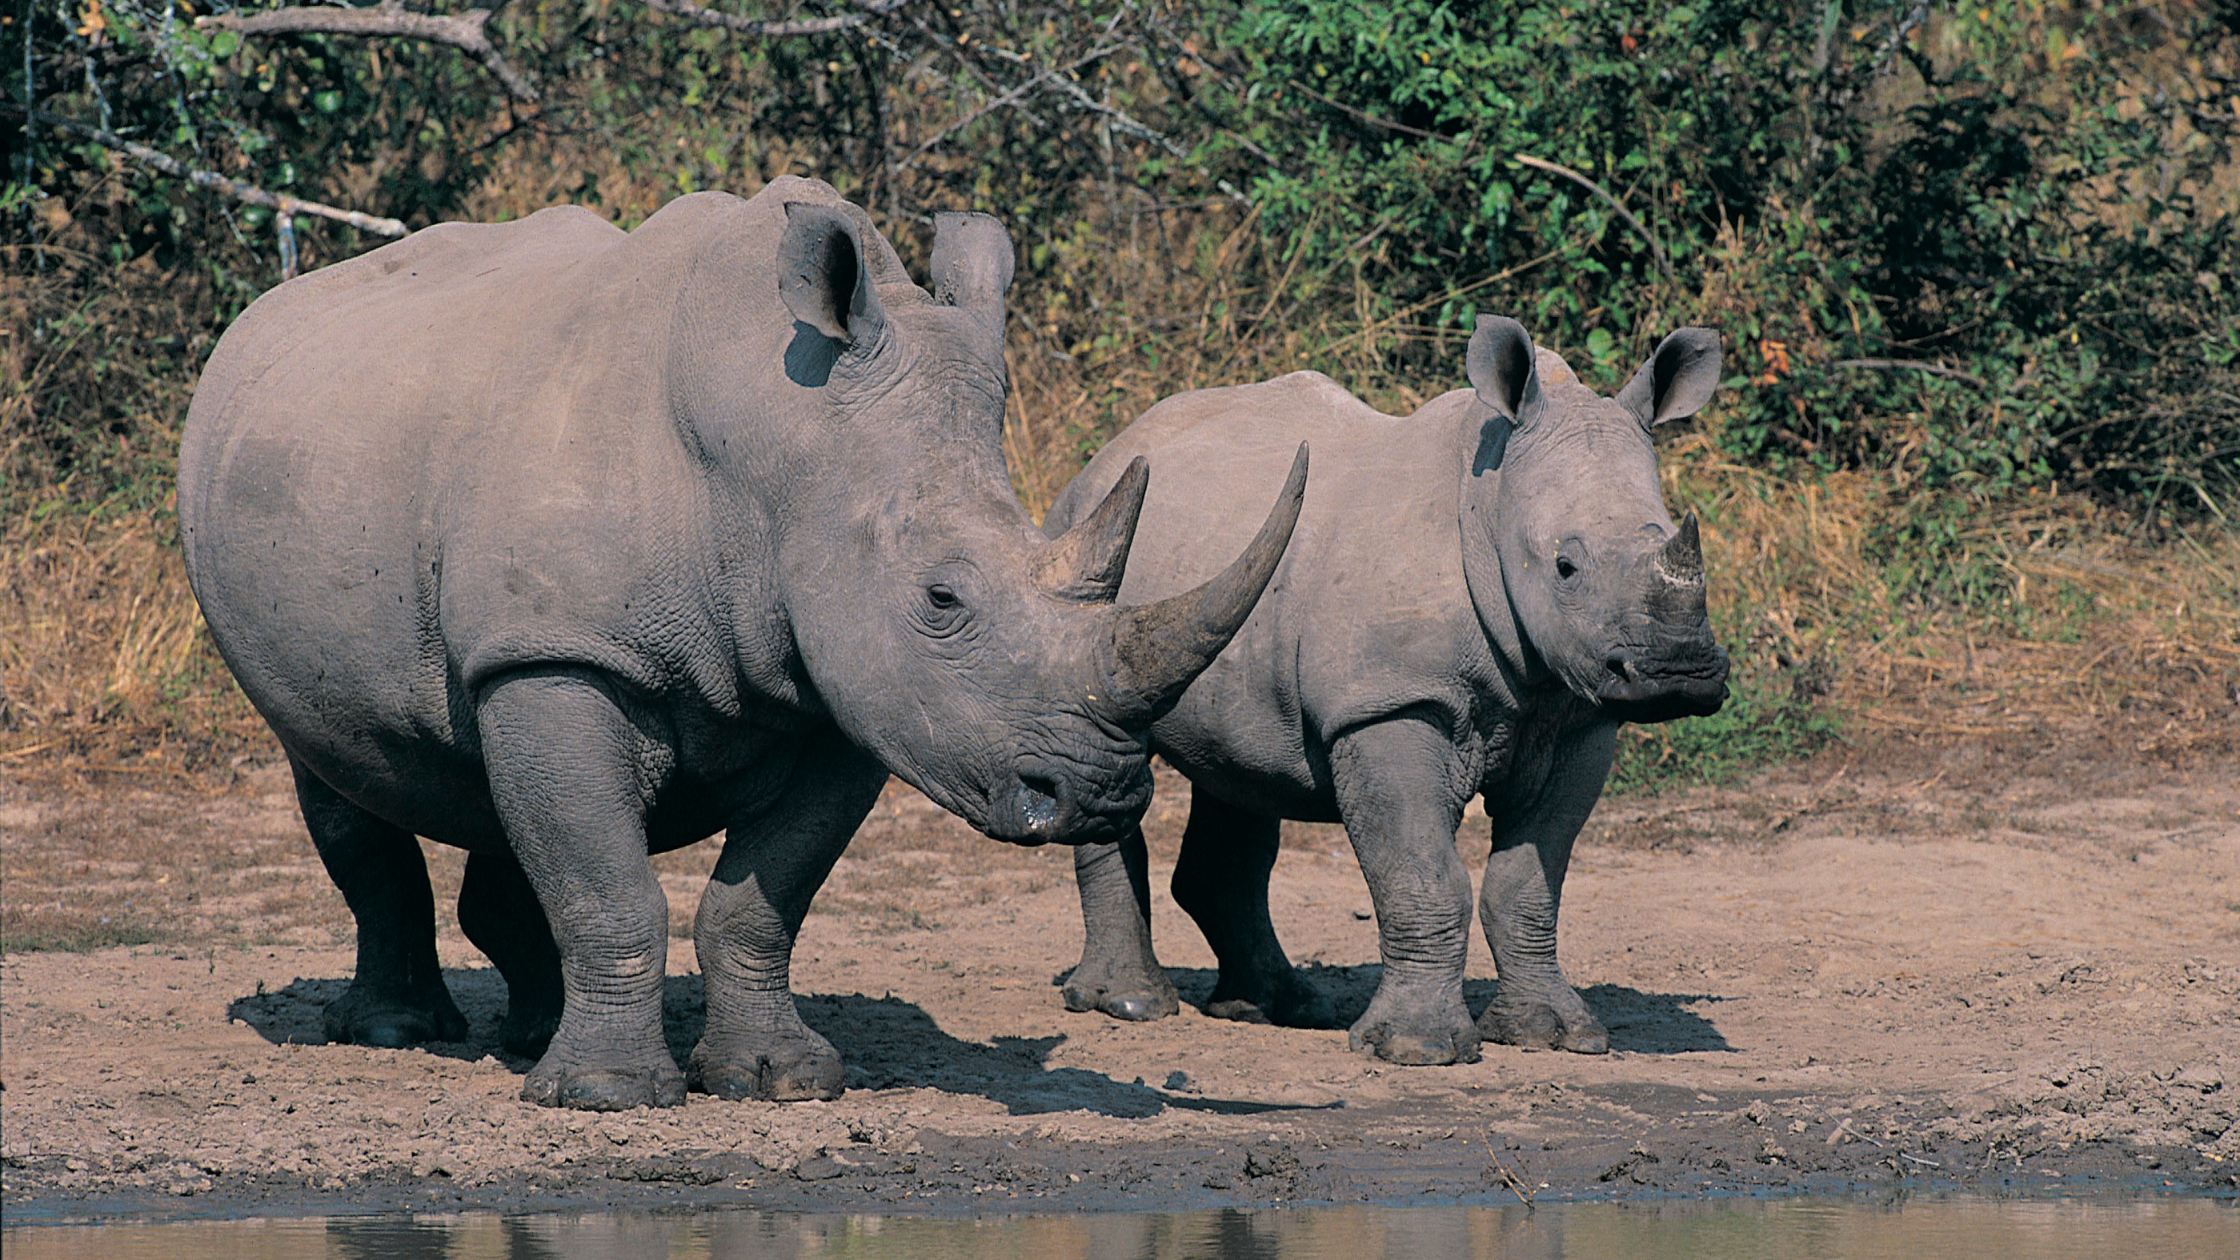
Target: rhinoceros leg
[(397, 997), (571, 776), (1523, 889), (755, 1045), (1221, 881), (1396, 792), (498, 911), (1119, 973)]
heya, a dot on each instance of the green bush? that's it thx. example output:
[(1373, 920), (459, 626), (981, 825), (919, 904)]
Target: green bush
[(1981, 251)]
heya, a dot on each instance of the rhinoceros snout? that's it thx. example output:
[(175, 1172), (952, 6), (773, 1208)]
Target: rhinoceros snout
[(1659, 687), (1040, 803), (1044, 806)]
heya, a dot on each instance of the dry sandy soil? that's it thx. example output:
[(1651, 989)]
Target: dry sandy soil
[(1991, 966)]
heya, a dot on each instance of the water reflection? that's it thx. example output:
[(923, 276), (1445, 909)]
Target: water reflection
[(1960, 1229)]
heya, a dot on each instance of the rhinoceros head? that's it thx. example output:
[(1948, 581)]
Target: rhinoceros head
[(980, 660), (1603, 587)]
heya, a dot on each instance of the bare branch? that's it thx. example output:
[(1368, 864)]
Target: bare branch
[(1911, 365), (1012, 97), (280, 203), (1118, 119), (1348, 110), (1555, 168), (772, 29), (389, 19)]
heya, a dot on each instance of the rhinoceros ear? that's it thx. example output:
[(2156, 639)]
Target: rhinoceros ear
[(822, 275), (972, 260), (1677, 380), (1501, 368)]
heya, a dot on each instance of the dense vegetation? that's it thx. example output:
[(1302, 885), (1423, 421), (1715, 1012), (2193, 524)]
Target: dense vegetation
[(1979, 251)]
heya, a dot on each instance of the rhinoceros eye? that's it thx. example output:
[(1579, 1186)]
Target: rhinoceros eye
[(1571, 556), (943, 611)]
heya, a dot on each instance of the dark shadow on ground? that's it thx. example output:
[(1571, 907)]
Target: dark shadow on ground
[(295, 1014), (887, 1043), (1654, 1023), (1643, 1023)]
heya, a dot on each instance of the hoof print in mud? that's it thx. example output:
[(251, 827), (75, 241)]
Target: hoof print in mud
[(610, 1089)]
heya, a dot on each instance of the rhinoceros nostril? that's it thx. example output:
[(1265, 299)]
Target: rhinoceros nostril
[(1038, 801), (1620, 668)]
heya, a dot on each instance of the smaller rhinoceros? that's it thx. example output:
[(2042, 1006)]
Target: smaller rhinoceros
[(1475, 597)]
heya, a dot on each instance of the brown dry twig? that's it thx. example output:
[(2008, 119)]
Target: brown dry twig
[(389, 19), (234, 188), (1656, 250), (1911, 365), (1811, 805), (772, 28), (1516, 1186)]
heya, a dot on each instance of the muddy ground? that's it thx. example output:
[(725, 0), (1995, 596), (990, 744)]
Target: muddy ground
[(2007, 966)]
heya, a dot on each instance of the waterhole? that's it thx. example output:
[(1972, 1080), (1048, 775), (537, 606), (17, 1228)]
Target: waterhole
[(1946, 1229)]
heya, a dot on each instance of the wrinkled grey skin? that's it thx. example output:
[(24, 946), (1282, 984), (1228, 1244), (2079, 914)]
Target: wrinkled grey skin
[(563, 545), (1477, 595)]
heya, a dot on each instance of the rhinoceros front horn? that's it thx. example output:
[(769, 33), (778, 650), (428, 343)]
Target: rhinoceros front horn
[(1681, 560), (1084, 564), (1158, 649)]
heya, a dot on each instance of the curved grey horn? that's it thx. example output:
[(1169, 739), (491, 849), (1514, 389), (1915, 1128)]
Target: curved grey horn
[(1681, 561), (1157, 650), (1084, 564)]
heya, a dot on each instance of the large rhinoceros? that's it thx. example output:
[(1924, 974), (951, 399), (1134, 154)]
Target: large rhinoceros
[(1477, 595), (561, 545)]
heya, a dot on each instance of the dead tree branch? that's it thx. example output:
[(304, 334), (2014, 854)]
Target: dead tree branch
[(1012, 97), (1911, 365), (1656, 250), (279, 203), (773, 29), (389, 19)]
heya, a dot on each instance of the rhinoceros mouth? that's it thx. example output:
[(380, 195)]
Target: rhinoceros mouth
[(1649, 689), (1040, 805)]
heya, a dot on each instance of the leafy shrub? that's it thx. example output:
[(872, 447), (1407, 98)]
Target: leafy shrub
[(1981, 251)]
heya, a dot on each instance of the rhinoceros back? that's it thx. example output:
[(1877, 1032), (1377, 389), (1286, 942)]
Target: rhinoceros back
[(1378, 480)]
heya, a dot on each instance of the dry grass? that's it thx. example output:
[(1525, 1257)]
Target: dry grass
[(107, 675), (105, 666), (2075, 621)]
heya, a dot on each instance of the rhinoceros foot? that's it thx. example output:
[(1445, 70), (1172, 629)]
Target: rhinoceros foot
[(1287, 1001), (1537, 1025), (527, 1030), (792, 1069), (1133, 993), (1415, 1034), (613, 1087), (361, 1017)]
